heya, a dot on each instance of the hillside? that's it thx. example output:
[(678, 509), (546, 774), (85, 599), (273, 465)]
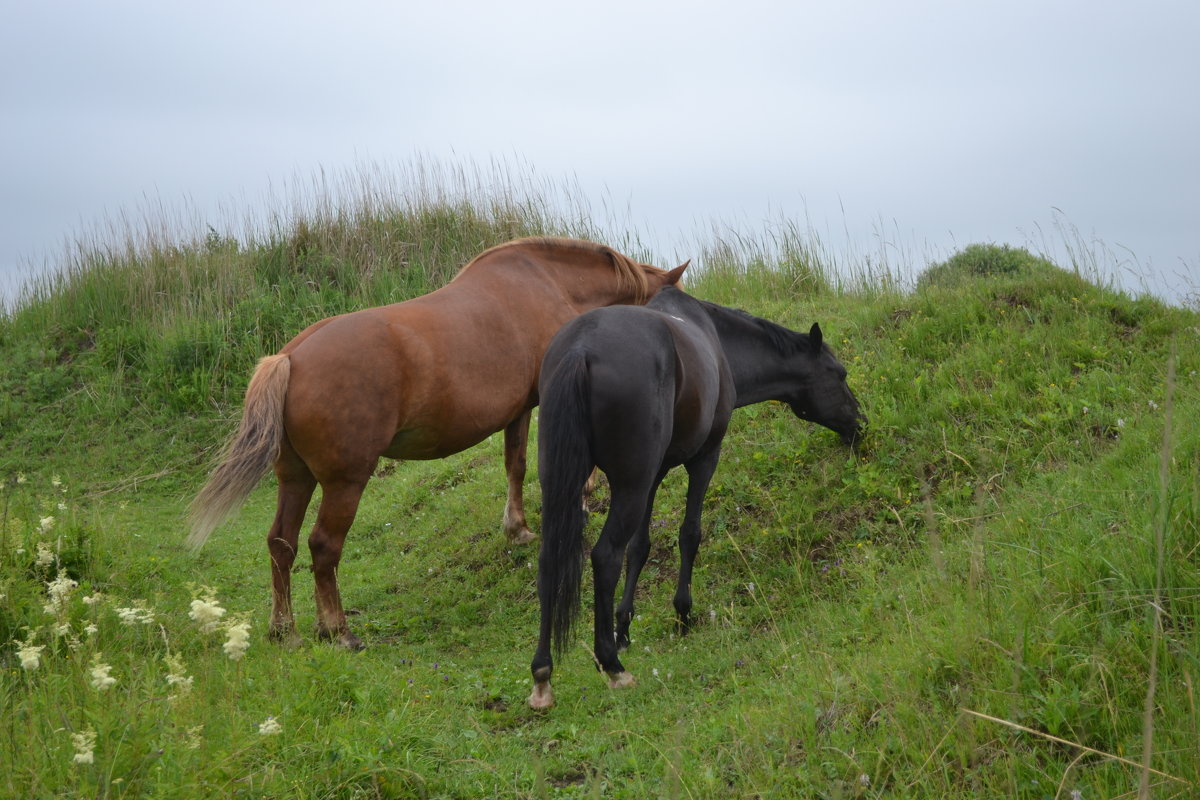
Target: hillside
[(995, 596)]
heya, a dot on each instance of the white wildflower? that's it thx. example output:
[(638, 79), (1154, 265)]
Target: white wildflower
[(55, 481), (270, 727), (864, 780), (59, 592), (90, 629), (30, 653), (176, 674), (136, 614), (93, 599), (20, 477), (45, 556), (85, 744), (1120, 422), (239, 640), (1076, 794), (1153, 405), (101, 679), (45, 524), (192, 739), (207, 612)]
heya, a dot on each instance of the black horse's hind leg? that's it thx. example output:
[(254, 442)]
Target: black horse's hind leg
[(627, 511), (636, 554), (543, 663), (700, 472)]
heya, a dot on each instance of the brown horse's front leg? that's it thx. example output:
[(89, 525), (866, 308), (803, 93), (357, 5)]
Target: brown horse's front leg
[(338, 507), (516, 436)]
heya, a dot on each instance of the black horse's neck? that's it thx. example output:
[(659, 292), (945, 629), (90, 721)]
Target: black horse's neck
[(756, 350)]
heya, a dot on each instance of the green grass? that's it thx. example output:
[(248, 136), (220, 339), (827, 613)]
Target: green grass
[(1012, 556)]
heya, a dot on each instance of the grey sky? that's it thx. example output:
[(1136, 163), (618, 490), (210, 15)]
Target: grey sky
[(922, 125)]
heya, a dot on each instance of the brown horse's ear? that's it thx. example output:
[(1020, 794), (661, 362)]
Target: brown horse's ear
[(674, 276), (814, 338)]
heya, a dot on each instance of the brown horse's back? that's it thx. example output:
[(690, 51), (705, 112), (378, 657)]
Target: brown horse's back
[(415, 380)]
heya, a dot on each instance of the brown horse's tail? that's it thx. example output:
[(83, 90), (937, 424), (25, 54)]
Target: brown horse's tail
[(249, 453)]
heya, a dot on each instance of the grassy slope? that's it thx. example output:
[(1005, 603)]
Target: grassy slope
[(991, 550)]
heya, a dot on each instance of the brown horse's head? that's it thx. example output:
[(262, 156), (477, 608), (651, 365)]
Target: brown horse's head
[(661, 278)]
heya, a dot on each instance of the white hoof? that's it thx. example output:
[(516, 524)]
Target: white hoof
[(542, 696), (622, 680)]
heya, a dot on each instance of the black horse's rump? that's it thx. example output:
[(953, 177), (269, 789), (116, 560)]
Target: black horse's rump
[(636, 391)]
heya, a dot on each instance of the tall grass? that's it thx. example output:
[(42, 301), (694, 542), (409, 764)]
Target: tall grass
[(996, 596), (371, 232)]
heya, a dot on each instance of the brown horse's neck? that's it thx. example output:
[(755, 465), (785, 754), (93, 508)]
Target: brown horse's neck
[(585, 274)]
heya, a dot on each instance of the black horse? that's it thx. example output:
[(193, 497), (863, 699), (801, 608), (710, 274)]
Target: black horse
[(636, 391)]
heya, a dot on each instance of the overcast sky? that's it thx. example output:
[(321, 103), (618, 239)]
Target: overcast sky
[(915, 127)]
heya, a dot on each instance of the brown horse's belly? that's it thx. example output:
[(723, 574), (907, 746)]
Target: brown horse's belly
[(425, 444)]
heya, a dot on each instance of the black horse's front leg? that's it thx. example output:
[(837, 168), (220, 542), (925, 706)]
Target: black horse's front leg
[(700, 472)]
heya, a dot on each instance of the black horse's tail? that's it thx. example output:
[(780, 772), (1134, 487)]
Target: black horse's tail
[(564, 463)]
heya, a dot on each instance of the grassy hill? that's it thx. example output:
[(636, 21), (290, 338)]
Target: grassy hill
[(997, 596)]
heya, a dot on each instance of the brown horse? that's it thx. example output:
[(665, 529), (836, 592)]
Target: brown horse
[(420, 379)]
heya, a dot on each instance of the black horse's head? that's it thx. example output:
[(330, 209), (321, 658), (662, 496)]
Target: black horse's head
[(823, 396)]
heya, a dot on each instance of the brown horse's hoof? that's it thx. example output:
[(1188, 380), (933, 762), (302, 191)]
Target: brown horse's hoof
[(542, 696), (285, 636), (351, 642), (521, 536), (345, 639)]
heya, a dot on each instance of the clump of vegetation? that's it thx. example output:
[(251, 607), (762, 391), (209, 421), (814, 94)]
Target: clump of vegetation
[(977, 261), (994, 596)]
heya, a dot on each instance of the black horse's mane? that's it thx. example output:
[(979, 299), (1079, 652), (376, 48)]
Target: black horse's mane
[(786, 342)]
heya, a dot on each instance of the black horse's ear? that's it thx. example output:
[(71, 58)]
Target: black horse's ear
[(814, 338)]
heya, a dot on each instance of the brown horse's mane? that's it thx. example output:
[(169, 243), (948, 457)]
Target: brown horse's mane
[(630, 274)]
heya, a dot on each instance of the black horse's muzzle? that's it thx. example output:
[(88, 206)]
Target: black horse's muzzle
[(853, 433)]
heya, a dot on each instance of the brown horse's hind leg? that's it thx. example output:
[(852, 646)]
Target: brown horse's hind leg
[(589, 488), (296, 486), (338, 506), (516, 437)]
